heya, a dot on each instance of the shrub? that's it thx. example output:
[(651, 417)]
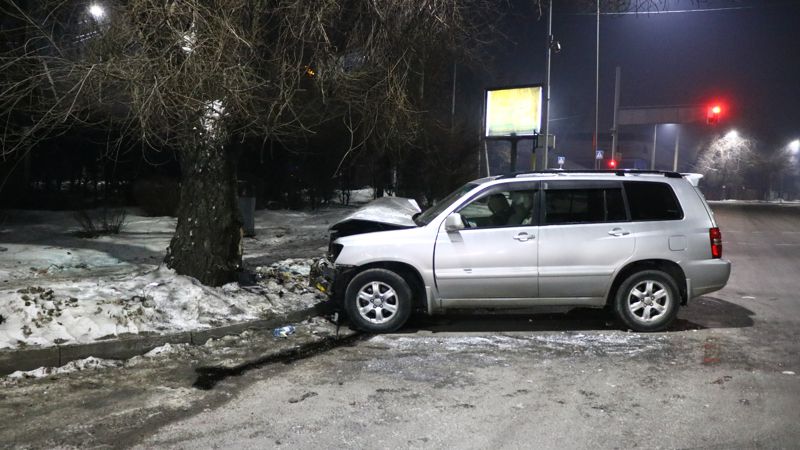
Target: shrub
[(106, 221)]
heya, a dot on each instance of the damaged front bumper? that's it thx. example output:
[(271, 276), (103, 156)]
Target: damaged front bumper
[(330, 279)]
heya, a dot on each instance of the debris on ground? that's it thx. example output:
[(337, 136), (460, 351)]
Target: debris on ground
[(283, 331), (303, 397)]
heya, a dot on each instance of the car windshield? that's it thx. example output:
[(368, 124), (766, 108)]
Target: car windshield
[(429, 214)]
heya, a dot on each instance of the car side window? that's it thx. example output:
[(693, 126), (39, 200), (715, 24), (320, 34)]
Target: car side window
[(579, 205), (504, 208), (652, 201)]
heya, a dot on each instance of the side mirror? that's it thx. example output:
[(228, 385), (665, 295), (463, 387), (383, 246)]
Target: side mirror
[(453, 223)]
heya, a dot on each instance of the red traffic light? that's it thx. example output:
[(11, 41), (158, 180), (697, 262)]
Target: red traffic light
[(612, 163), (714, 113)]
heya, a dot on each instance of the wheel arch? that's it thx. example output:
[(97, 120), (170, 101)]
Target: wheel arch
[(408, 272), (671, 268)]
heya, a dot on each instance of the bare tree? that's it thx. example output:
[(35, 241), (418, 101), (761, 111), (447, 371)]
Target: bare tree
[(724, 163), (195, 76)]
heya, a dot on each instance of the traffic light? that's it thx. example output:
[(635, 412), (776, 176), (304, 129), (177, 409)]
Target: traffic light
[(714, 113), (612, 163)]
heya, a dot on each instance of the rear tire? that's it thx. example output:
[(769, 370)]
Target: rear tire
[(647, 301), (378, 301)]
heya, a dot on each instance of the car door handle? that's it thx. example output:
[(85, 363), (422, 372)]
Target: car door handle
[(522, 237), (619, 232)]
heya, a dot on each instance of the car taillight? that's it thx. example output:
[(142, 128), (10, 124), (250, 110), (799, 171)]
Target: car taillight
[(716, 242)]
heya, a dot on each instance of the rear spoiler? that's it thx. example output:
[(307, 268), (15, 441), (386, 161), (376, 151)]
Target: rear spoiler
[(693, 178)]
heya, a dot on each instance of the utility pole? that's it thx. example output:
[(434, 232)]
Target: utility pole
[(547, 88), (597, 79)]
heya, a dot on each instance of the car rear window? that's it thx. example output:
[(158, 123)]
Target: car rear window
[(652, 201)]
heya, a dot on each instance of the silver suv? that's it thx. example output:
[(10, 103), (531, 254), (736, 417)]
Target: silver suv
[(639, 242)]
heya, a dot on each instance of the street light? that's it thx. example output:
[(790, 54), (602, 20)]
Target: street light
[(97, 11), (794, 146)]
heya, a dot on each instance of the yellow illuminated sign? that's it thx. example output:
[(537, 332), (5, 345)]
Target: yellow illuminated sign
[(515, 111)]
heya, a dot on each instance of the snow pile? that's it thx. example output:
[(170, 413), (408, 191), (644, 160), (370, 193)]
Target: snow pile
[(90, 363), (165, 350), (86, 310)]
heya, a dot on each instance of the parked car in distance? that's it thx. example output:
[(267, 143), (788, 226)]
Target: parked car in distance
[(642, 243)]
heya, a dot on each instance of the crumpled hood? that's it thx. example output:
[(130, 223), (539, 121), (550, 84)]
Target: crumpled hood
[(395, 212)]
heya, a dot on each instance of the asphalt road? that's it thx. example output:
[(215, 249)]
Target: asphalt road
[(720, 378)]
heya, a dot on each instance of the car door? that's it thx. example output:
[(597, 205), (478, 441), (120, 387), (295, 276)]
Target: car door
[(584, 236), (495, 255)]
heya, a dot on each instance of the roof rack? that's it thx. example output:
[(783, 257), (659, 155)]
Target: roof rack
[(617, 172)]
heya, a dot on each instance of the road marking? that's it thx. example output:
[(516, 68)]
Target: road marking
[(749, 297), (788, 245)]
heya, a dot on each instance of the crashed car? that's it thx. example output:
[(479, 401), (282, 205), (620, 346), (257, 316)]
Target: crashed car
[(641, 243)]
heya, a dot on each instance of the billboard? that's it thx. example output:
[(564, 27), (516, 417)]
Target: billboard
[(513, 110)]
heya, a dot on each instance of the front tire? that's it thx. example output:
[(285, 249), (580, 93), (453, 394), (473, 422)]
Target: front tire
[(378, 301), (647, 301)]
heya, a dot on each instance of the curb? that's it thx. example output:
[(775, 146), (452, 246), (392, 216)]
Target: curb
[(124, 348)]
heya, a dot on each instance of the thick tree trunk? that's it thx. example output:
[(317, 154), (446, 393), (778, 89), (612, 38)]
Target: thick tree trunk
[(208, 239)]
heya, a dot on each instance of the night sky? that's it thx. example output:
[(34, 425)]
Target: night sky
[(747, 55)]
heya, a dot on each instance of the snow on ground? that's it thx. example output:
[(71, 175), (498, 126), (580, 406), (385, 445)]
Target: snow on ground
[(612, 342), (42, 244), (92, 363), (361, 196), (58, 288), (759, 202), (222, 346)]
